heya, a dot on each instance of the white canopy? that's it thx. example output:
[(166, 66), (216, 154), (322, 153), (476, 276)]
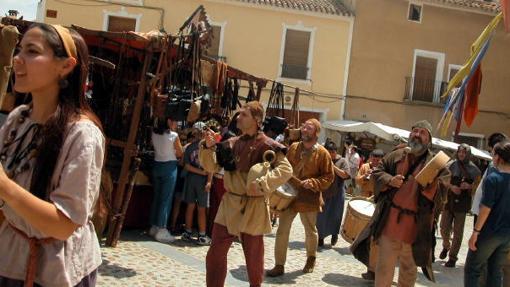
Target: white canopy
[(394, 134)]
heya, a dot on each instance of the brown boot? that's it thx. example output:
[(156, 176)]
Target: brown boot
[(278, 270), (310, 264)]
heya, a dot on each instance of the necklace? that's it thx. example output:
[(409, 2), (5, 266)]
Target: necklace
[(23, 153)]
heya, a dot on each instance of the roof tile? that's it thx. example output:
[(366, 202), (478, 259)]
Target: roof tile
[(330, 7)]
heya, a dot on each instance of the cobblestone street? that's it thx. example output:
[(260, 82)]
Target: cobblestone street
[(140, 261)]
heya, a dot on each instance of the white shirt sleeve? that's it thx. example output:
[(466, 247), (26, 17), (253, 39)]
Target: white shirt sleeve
[(475, 208)]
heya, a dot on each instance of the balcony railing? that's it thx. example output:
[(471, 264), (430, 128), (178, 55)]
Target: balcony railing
[(219, 58), (424, 90), (294, 72)]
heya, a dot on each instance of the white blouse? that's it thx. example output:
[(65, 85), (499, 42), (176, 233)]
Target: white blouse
[(74, 191)]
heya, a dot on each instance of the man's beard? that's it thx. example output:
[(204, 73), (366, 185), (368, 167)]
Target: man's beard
[(307, 138), (417, 147)]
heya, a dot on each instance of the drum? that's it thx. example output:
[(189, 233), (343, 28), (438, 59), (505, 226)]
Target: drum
[(282, 197), (432, 168), (358, 215)]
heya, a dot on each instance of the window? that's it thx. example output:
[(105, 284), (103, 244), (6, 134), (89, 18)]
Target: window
[(120, 21), (452, 70), (414, 13), (51, 13), (214, 49), (121, 24), (296, 53), (427, 83)]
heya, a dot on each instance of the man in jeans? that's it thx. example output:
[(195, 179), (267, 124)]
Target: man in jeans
[(465, 176)]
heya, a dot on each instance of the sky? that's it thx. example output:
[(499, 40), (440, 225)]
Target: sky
[(27, 8)]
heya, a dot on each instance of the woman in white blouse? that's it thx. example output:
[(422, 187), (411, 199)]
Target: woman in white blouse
[(167, 149)]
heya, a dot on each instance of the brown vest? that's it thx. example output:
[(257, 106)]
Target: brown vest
[(248, 151)]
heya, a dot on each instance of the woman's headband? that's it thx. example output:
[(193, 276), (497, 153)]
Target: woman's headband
[(67, 40)]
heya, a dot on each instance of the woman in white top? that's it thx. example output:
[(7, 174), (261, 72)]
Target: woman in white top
[(51, 154), (167, 148)]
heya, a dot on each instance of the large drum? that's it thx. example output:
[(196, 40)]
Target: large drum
[(282, 197), (358, 215)]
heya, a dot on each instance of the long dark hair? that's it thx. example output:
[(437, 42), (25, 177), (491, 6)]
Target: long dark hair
[(72, 105)]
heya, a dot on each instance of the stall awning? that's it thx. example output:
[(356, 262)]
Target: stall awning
[(393, 134)]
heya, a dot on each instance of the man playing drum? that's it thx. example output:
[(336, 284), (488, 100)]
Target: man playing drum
[(313, 174), (402, 222), (243, 211)]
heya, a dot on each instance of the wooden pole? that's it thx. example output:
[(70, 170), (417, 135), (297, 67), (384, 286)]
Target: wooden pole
[(128, 153), (125, 202)]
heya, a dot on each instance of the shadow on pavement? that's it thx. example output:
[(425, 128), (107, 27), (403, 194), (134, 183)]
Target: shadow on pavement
[(297, 245), (342, 250), (114, 270), (337, 279), (143, 236)]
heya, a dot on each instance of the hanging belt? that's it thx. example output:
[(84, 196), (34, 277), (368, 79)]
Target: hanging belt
[(404, 211), (34, 246), (244, 200)]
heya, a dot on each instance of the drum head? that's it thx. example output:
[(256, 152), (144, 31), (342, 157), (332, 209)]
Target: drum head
[(286, 191), (364, 207)]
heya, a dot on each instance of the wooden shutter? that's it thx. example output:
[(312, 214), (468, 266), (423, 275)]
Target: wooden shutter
[(295, 56), (121, 24), (424, 79)]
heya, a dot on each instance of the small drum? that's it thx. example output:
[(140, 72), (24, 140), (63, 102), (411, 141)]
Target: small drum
[(282, 197), (358, 215), (432, 168)]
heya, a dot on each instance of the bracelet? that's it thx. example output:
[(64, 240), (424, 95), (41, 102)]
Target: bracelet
[(476, 230), (2, 204)]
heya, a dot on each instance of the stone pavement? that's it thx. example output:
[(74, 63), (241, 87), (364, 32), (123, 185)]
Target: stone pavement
[(140, 261)]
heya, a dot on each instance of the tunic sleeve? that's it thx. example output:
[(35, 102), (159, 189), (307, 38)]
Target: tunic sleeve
[(78, 183), (385, 172), (327, 174), (207, 158), (277, 176)]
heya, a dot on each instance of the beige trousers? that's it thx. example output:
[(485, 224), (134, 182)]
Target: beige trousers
[(309, 220), (374, 252), (390, 252)]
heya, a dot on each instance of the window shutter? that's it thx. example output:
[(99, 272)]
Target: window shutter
[(121, 24), (295, 57)]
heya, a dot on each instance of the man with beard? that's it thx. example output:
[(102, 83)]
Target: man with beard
[(402, 221), (243, 212), (313, 174), (465, 176)]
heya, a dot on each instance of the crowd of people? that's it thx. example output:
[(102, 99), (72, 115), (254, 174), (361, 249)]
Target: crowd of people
[(52, 155)]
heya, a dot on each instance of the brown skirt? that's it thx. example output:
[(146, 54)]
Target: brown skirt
[(87, 281)]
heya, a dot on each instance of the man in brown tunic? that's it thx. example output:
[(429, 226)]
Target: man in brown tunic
[(243, 212), (313, 174)]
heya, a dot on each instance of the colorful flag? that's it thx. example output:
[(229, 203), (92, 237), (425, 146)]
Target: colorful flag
[(463, 102), (473, 89), (505, 7)]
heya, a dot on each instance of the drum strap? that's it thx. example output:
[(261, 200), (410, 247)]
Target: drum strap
[(404, 211)]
